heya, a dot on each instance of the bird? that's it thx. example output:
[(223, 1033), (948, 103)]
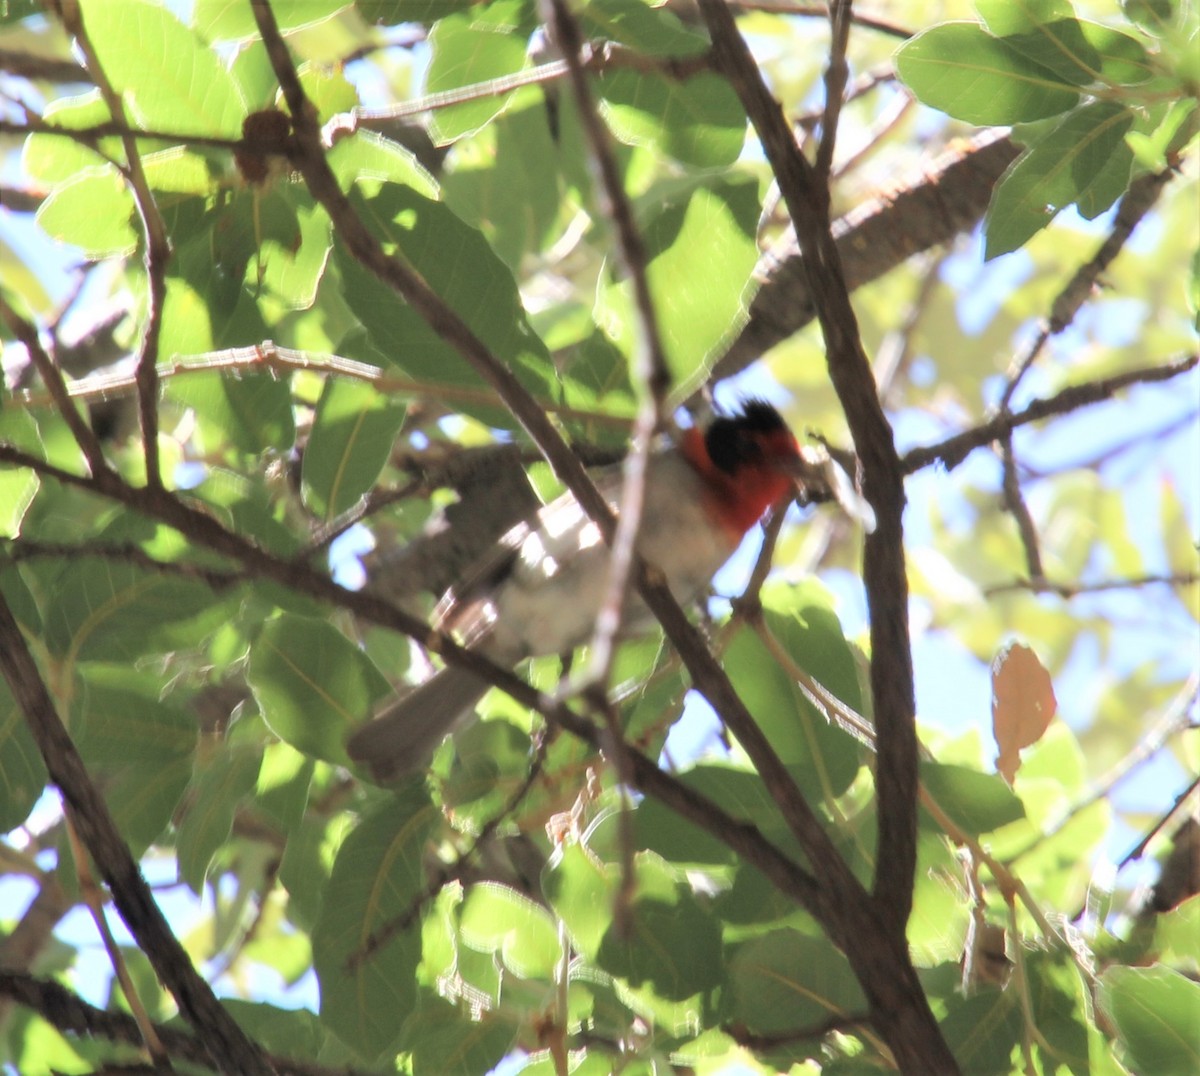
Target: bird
[(539, 590)]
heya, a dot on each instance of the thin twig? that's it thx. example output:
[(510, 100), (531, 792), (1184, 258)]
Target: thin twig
[(277, 359), (1071, 590), (837, 72), (1014, 501), (93, 899), (953, 450), (1139, 849), (52, 378), (158, 247), (820, 11), (599, 58)]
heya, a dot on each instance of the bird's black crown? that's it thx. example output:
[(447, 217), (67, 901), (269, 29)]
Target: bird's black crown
[(737, 439)]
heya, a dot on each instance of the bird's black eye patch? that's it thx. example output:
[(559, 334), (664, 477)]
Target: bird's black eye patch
[(735, 440)]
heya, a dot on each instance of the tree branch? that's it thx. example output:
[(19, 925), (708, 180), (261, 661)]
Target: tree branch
[(71, 1015), (883, 561), (953, 450), (230, 1048)]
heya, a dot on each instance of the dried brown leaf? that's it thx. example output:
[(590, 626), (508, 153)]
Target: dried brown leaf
[(1023, 705)]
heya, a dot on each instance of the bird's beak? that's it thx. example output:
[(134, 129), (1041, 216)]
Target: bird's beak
[(819, 477)]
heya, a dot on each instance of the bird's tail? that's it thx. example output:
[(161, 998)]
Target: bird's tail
[(406, 732)]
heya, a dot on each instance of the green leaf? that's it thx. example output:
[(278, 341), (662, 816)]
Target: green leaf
[(1177, 933), (464, 50), (507, 180), (351, 440), (224, 781), (702, 253), (169, 78), (140, 749), (672, 943), (369, 155), (288, 1032), (976, 802), (93, 211), (54, 159), (18, 485), (458, 264), (1046, 32), (106, 610), (445, 1040), (252, 413), (496, 919), (982, 1030), (961, 69), (1084, 159), (651, 31), (1156, 1012), (821, 756), (580, 889), (698, 121), (312, 684), (785, 980), (290, 259), (377, 877), (1123, 59), (1156, 17), (22, 771), (739, 792), (228, 20)]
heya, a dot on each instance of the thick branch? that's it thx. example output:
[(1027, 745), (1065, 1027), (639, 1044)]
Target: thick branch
[(70, 1014), (883, 561)]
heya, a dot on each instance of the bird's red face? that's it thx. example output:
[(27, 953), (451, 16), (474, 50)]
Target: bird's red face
[(748, 461)]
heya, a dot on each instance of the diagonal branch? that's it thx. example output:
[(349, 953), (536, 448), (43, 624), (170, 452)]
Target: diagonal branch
[(56, 386), (228, 1045), (883, 560)]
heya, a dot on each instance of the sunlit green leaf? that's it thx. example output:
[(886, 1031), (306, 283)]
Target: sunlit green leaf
[(699, 121), (1084, 160), (961, 69), (496, 919), (466, 50), (171, 80), (712, 226), (93, 211), (1157, 1016)]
